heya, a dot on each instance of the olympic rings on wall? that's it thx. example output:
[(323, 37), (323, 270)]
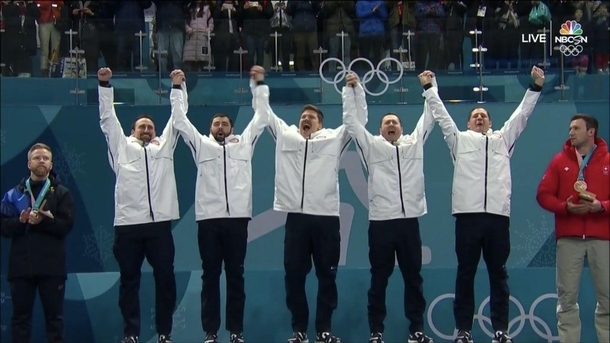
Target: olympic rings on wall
[(368, 76)]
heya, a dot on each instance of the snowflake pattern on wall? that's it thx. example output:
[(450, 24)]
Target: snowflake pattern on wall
[(3, 299), (534, 244), (179, 319), (98, 244), (68, 162)]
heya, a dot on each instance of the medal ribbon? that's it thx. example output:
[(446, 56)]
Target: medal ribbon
[(583, 162), (36, 203)]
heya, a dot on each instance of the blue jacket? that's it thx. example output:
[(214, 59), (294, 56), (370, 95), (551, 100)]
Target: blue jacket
[(372, 23), (37, 249)]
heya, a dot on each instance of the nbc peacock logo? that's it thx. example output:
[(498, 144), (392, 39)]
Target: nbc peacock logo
[(570, 27), (571, 38)]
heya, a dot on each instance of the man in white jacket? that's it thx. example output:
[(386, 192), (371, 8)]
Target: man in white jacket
[(146, 202), (223, 206), (307, 188), (481, 206), (396, 200)]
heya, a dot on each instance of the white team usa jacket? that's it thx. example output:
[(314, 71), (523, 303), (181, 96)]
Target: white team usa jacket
[(481, 176), (145, 189), (224, 170), (307, 170), (396, 171)]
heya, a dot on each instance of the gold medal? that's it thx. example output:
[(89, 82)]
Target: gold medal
[(580, 186)]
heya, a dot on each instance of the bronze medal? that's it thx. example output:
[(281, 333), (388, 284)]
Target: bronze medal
[(580, 186)]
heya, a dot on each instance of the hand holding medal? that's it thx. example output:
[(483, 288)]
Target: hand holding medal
[(580, 186)]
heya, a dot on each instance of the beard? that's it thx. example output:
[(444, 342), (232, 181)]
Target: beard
[(145, 137), (40, 171), (219, 136)]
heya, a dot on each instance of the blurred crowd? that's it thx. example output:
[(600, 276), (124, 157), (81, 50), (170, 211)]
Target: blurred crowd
[(288, 35)]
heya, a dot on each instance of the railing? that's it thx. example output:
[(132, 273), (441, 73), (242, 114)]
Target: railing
[(471, 62)]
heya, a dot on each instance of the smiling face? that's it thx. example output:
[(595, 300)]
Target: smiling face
[(144, 129), (479, 120), (221, 127), (391, 128)]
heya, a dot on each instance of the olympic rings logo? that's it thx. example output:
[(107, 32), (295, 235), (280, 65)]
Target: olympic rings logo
[(368, 76), (571, 50), (540, 327)]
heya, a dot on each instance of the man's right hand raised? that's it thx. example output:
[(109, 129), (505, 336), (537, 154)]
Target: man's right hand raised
[(257, 73), (104, 74), (177, 77)]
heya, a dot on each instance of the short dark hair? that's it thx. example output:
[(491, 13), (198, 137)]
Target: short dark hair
[(590, 122), (39, 146), (141, 116), (222, 115), (390, 114), (476, 108), (315, 109)]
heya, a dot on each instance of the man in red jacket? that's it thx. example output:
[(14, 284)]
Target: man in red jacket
[(576, 188)]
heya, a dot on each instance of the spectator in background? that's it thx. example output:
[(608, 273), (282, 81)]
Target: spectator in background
[(226, 35), (199, 26), (170, 32), (581, 62), (50, 16), (372, 15), (305, 28), (339, 17), (538, 19), (430, 16), (600, 37), (129, 20), (506, 27), (19, 39), (84, 21), (454, 34), (281, 23), (256, 29), (105, 29)]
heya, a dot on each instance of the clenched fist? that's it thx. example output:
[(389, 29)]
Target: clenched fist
[(104, 74)]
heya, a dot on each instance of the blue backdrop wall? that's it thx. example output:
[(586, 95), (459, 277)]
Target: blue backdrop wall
[(91, 309)]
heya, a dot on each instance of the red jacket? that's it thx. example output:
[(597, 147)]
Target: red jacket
[(557, 186)]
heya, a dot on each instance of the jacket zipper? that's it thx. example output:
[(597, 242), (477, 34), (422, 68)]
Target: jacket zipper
[(402, 202), (224, 153), (486, 170), (304, 168), (150, 209)]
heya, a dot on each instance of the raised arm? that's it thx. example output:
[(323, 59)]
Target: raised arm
[(425, 124), (352, 124), (169, 136), (518, 120), (260, 95), (111, 127), (275, 124), (179, 102), (440, 114)]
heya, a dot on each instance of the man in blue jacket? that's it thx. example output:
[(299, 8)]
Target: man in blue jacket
[(37, 215)]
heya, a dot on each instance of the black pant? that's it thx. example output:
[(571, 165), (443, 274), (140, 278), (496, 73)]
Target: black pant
[(221, 240), (23, 293), (392, 240), (307, 236), (155, 242), (476, 232)]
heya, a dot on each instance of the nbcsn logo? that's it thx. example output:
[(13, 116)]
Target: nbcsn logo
[(570, 38)]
